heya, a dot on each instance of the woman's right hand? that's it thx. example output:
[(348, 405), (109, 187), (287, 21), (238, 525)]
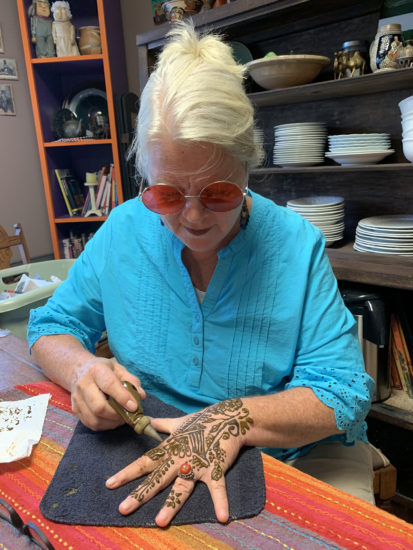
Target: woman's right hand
[(90, 386)]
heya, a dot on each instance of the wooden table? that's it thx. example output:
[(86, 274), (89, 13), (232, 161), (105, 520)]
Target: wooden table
[(300, 511), (16, 365)]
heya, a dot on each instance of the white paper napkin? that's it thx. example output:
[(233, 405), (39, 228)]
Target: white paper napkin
[(21, 425)]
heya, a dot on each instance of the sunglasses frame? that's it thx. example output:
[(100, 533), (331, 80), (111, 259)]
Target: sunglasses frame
[(142, 191), (25, 528)]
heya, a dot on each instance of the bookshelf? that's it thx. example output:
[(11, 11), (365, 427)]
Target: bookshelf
[(51, 81)]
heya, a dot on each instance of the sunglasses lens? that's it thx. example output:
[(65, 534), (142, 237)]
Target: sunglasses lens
[(163, 199), (221, 196)]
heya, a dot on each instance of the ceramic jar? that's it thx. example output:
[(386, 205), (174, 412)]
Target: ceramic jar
[(385, 47), (176, 10), (89, 40)]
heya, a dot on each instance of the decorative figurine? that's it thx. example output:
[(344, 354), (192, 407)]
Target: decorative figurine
[(91, 183), (348, 64), (340, 63), (356, 64), (64, 35), (41, 28)]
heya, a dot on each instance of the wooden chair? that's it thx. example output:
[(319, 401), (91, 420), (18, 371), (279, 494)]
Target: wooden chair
[(7, 241)]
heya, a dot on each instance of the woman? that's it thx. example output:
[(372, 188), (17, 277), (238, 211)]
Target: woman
[(214, 299)]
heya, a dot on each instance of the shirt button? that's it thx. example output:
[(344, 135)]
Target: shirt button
[(197, 317), (195, 360), (196, 340)]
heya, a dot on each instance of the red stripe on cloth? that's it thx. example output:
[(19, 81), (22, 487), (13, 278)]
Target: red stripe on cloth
[(60, 397)]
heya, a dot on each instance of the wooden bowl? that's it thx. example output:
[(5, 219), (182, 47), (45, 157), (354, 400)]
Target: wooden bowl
[(283, 71)]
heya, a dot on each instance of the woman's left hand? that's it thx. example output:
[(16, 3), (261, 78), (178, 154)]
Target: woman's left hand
[(201, 447)]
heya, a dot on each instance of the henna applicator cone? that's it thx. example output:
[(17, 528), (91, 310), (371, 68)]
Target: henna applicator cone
[(139, 422)]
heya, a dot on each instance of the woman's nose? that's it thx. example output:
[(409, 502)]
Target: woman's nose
[(193, 209)]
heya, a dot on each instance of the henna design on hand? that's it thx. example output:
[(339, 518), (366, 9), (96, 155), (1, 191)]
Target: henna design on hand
[(173, 499), (198, 440)]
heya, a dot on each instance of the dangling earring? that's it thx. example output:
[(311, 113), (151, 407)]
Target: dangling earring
[(245, 215)]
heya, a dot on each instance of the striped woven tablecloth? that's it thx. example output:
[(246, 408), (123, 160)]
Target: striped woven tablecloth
[(300, 512)]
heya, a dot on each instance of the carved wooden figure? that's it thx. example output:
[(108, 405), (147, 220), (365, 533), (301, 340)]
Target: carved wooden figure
[(64, 34), (41, 28)]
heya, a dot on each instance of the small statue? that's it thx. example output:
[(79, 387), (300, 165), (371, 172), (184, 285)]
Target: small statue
[(340, 64), (41, 28), (356, 64), (64, 34)]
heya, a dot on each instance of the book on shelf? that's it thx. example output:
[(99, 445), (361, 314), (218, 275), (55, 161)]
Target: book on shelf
[(394, 373), (102, 178), (400, 355), (74, 245), (71, 189)]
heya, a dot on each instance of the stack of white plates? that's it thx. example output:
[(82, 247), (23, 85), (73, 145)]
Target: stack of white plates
[(327, 213), (299, 144), (354, 149), (391, 234)]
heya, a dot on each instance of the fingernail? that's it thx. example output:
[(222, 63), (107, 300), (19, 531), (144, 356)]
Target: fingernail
[(125, 507), (111, 481), (131, 405)]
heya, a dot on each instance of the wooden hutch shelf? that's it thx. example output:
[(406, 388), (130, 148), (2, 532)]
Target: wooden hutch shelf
[(386, 270)]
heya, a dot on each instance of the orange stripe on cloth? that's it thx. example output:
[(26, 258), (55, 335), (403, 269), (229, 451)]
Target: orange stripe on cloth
[(60, 397), (333, 514)]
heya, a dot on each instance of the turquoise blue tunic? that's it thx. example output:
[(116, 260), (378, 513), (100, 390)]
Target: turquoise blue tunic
[(272, 317)]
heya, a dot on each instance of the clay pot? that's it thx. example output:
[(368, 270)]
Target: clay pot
[(89, 40)]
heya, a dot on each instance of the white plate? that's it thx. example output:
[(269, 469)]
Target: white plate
[(356, 136), (301, 125), (384, 246), (316, 201), (394, 236), (299, 157), (298, 164), (395, 221), (355, 149), (354, 159), (378, 250)]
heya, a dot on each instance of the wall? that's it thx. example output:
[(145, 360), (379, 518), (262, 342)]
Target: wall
[(22, 197), (136, 18)]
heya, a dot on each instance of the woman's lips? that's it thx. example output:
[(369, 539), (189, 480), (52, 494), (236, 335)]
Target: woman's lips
[(197, 232)]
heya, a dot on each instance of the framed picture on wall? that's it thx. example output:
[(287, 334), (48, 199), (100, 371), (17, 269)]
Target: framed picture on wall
[(6, 100), (1, 42), (8, 69)]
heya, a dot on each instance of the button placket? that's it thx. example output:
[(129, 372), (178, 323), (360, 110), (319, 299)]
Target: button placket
[(194, 376)]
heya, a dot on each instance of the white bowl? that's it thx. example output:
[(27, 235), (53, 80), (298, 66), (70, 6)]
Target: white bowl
[(408, 134), (283, 71), (406, 105), (408, 149)]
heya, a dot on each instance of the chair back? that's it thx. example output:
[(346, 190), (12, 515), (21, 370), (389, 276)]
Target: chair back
[(7, 241)]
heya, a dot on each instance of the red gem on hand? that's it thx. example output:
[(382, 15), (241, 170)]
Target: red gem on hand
[(185, 468)]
